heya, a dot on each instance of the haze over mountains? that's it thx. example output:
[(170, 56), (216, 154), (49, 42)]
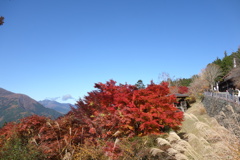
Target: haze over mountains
[(16, 106), (60, 107)]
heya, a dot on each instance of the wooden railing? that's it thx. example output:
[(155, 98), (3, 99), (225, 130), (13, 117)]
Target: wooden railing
[(223, 95)]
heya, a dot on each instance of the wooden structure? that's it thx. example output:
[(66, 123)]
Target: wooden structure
[(182, 103), (228, 80), (226, 83)]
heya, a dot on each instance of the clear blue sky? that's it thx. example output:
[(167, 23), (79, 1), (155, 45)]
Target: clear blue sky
[(52, 48)]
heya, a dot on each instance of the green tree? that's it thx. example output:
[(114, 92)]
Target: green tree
[(225, 54), (185, 81), (227, 64), (140, 84), (218, 61)]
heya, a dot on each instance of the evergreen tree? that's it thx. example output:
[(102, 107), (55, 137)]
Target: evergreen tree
[(185, 81), (225, 54), (181, 82), (140, 84), (218, 62), (227, 64)]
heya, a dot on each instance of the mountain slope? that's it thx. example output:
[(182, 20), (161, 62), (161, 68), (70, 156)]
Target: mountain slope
[(60, 107), (201, 138), (16, 106), (207, 138)]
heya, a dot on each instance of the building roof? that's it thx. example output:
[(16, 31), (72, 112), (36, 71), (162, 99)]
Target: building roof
[(178, 95)]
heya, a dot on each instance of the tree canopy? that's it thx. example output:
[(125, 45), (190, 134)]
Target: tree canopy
[(210, 73), (140, 84), (226, 63)]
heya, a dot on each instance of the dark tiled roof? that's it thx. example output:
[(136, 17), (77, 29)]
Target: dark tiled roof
[(178, 95)]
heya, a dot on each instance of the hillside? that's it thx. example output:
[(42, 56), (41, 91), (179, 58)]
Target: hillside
[(207, 137), (60, 107), (16, 106), (201, 138)]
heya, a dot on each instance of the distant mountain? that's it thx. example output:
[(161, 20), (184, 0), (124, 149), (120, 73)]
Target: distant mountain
[(16, 106), (60, 107)]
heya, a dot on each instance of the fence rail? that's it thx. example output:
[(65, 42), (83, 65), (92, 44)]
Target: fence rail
[(223, 95)]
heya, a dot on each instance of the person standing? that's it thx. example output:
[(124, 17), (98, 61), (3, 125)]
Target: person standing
[(230, 91)]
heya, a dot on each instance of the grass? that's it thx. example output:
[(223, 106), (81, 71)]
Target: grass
[(15, 149), (208, 139)]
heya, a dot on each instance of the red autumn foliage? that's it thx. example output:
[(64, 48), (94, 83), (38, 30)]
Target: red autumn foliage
[(178, 89), (173, 89), (25, 130), (182, 89), (106, 113), (52, 137), (122, 108), (112, 150)]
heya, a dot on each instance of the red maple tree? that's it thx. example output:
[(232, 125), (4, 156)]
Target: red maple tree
[(182, 89), (125, 110)]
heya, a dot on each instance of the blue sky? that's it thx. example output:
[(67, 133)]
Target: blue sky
[(58, 49)]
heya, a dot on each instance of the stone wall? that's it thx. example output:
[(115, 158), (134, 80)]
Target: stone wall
[(226, 113)]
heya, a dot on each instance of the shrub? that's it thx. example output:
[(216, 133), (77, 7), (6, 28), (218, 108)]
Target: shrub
[(125, 110), (15, 148)]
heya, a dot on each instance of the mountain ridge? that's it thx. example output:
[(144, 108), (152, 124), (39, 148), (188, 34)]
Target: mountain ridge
[(4, 92), (60, 107), (14, 106)]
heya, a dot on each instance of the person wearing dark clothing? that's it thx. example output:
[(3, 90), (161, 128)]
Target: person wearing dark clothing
[(230, 91)]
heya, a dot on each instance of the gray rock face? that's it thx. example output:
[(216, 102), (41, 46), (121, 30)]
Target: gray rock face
[(226, 113)]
